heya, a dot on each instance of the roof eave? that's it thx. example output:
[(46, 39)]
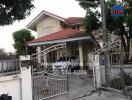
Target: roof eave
[(78, 23), (59, 41), (33, 23)]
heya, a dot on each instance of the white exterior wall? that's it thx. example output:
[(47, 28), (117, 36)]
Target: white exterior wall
[(18, 86), (46, 22), (39, 51), (11, 86)]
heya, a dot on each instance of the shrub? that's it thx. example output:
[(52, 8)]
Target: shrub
[(117, 82)]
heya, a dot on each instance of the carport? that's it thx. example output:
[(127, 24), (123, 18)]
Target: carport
[(78, 44)]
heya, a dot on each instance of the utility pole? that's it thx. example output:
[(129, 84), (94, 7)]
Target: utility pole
[(104, 30), (105, 34), (105, 40)]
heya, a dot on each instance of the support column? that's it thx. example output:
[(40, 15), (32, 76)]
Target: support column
[(39, 55), (45, 56), (58, 54), (80, 47)]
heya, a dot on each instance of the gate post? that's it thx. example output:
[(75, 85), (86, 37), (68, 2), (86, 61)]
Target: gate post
[(26, 81), (96, 71)]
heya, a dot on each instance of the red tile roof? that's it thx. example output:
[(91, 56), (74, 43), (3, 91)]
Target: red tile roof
[(63, 34), (74, 20)]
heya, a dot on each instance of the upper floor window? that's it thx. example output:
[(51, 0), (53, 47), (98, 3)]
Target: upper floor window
[(76, 27), (47, 30)]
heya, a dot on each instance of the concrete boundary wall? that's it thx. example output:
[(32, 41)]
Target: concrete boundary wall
[(19, 86)]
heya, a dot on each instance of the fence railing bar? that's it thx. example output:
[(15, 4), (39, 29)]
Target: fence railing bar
[(106, 46), (42, 72), (54, 47), (8, 67), (9, 73)]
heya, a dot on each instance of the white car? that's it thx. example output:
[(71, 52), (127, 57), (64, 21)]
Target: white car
[(65, 64)]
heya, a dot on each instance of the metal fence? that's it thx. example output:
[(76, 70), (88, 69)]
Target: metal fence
[(8, 67), (117, 78), (45, 82), (119, 83), (7, 56), (48, 86)]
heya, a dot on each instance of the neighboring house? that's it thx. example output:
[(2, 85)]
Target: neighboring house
[(52, 29)]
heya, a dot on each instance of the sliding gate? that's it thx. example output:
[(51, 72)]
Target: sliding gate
[(45, 83)]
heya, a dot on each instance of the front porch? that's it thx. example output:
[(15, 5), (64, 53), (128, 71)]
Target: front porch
[(78, 44)]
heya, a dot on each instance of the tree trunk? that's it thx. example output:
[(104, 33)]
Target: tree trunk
[(126, 44), (127, 49)]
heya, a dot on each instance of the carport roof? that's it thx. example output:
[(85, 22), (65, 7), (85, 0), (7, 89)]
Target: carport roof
[(60, 36)]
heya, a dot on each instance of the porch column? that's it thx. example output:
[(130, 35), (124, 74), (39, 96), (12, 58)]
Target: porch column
[(58, 54), (45, 56), (80, 47), (39, 55)]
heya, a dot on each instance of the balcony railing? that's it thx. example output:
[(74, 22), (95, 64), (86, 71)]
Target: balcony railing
[(9, 67)]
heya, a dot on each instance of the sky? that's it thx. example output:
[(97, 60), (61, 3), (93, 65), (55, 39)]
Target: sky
[(63, 8)]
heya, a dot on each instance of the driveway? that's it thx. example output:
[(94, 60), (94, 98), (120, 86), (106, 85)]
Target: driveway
[(81, 88)]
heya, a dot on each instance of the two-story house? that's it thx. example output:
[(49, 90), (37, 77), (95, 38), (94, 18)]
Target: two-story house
[(52, 29)]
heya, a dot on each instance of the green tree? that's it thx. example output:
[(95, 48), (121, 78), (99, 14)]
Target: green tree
[(120, 26), (21, 37), (12, 10), (91, 21)]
